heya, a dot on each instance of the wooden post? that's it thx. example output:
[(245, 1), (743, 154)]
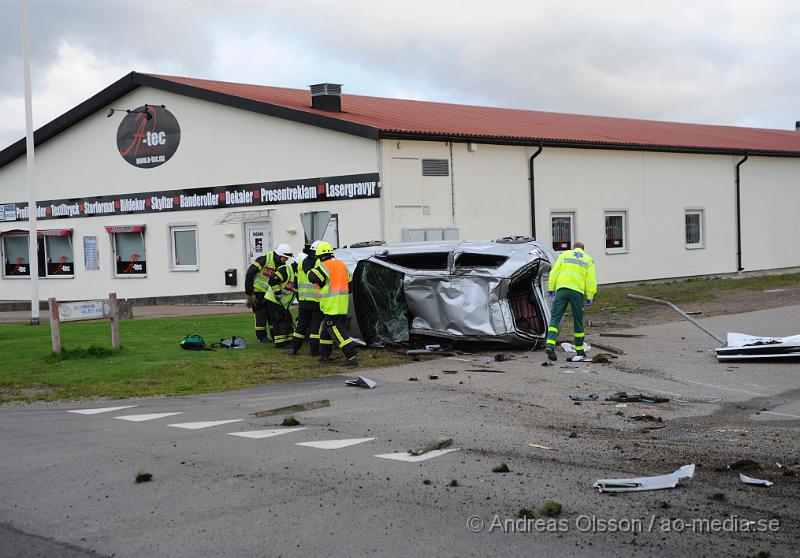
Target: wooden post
[(55, 332), (114, 320)]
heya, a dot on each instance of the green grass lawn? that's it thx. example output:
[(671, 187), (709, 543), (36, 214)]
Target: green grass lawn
[(150, 362), (615, 298)]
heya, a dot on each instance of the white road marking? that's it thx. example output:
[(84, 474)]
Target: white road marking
[(98, 411), (726, 388), (334, 444), (204, 424), (258, 434), (140, 418), (781, 414), (415, 458)]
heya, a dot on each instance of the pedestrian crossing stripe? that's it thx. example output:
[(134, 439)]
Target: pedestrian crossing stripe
[(204, 424), (258, 434), (334, 444), (141, 418), (399, 456), (101, 410)]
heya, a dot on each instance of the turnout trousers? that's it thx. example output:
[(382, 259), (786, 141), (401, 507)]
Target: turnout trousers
[(280, 323), (333, 329), (309, 320), (563, 298)]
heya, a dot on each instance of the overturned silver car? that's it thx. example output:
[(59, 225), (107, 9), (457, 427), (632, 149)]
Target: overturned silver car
[(487, 292)]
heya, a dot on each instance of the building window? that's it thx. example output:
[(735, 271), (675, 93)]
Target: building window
[(184, 248), (54, 253), (694, 228), (127, 244), (616, 232), (563, 227), (15, 255)]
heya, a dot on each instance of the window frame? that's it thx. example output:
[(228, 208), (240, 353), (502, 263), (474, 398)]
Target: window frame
[(565, 213), (41, 242), (624, 248), (118, 275), (702, 225), (174, 266)]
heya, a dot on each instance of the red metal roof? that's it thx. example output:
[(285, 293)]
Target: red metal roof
[(405, 117)]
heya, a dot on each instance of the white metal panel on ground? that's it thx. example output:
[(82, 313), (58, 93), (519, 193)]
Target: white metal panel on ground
[(415, 458), (334, 444), (101, 410), (203, 424), (141, 418), (259, 434)]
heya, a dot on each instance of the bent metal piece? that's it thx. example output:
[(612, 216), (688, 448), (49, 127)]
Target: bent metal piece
[(681, 312), (639, 484)]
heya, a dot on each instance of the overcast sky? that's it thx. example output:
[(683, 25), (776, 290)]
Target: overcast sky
[(709, 61)]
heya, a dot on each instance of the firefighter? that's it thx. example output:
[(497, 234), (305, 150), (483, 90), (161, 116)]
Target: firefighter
[(333, 277), (309, 316), (265, 283), (572, 281)]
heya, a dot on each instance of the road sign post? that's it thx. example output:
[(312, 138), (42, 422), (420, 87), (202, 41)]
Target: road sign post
[(83, 311)]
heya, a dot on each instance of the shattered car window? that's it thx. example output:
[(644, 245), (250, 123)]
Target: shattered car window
[(384, 312)]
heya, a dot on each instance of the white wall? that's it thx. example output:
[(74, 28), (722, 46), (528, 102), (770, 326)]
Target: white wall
[(219, 146)]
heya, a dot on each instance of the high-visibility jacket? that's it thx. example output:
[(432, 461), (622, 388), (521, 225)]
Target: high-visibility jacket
[(306, 290), (282, 278), (262, 280), (333, 276), (574, 269)]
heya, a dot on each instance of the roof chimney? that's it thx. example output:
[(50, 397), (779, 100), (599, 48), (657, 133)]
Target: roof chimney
[(327, 96)]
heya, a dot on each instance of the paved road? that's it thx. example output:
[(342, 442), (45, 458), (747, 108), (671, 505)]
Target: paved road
[(67, 478)]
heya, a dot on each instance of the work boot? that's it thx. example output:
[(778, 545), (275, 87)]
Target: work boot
[(350, 362), (551, 353), (292, 351)]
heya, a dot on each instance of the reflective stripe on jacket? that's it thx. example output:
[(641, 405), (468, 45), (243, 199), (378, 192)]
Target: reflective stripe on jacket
[(261, 281), (306, 290), (334, 295), (574, 269)]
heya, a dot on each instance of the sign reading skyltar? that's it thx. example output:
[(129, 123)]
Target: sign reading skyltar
[(332, 188), (148, 136)]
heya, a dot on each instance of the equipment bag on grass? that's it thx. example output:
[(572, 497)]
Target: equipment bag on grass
[(234, 342), (194, 343)]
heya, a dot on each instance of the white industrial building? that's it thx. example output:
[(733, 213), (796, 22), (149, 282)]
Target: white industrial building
[(195, 177)]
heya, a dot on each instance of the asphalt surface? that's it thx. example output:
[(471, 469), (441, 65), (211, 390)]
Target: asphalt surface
[(68, 486)]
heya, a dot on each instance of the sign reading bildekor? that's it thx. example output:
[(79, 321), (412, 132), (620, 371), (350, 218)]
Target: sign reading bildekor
[(332, 188)]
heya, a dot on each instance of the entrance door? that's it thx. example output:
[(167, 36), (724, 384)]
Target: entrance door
[(258, 240)]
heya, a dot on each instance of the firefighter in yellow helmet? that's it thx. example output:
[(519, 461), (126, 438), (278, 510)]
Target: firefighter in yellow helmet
[(572, 281), (333, 277), (268, 284)]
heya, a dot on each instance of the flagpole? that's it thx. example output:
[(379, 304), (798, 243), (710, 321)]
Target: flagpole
[(33, 256)]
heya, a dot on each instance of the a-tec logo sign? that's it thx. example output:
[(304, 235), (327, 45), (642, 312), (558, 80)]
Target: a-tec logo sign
[(148, 136)]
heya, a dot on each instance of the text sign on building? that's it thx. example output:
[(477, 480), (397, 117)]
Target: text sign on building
[(148, 136), (8, 212), (86, 310), (304, 190)]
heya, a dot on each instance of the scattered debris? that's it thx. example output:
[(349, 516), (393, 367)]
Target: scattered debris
[(547, 363), (143, 476), (742, 346), (717, 497), (573, 434), (433, 377), (412, 379), (662, 505), (453, 483), (449, 371), (500, 357), (501, 468), (645, 483), (427, 481), (591, 397), (362, 381), (439, 443), (290, 421), (551, 508), (485, 370), (620, 414), (294, 408), (623, 397), (626, 335), (646, 418), (414, 352), (602, 358), (542, 446), (570, 348), (621, 405), (525, 513), (608, 348), (755, 482), (695, 313)]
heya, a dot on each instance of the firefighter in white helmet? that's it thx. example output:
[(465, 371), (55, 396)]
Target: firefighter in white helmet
[(309, 316), (268, 284)]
